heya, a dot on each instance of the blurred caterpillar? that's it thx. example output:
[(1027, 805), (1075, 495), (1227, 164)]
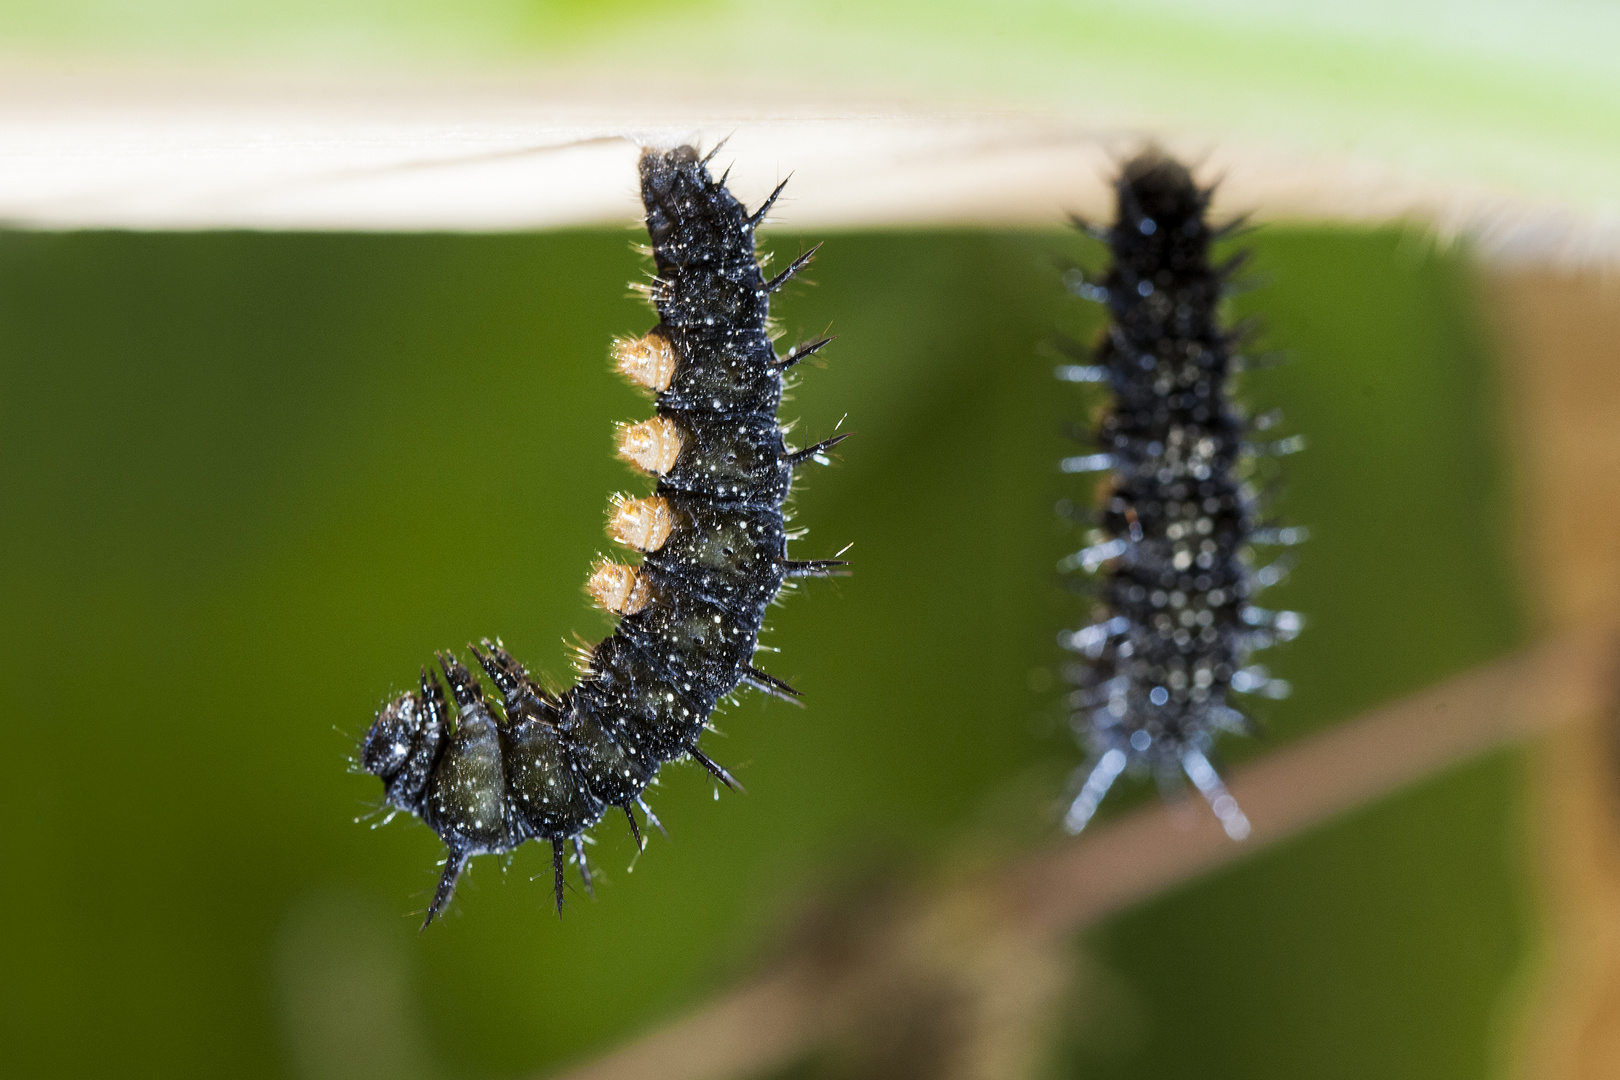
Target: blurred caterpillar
[(532, 765), (1173, 621)]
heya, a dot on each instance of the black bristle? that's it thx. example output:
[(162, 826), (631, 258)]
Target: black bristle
[(793, 268)]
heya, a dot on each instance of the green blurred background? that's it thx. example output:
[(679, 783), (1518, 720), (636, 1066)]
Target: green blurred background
[(252, 481)]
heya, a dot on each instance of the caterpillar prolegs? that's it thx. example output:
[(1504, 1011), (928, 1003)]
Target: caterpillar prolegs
[(487, 775), (1173, 622)]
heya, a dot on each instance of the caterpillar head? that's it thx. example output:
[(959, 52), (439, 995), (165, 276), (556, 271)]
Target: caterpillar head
[(405, 742), (1156, 190)]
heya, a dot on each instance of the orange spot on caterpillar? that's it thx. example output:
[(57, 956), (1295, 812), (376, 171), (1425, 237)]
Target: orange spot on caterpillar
[(617, 587), (646, 361), (652, 445), (643, 524)]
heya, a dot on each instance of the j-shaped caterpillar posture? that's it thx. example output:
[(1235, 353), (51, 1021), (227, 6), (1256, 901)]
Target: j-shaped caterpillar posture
[(532, 765), (1173, 622)]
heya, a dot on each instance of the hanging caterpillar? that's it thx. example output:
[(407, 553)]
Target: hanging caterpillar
[(487, 775), (1173, 621)]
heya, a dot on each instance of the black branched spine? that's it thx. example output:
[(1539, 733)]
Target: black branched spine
[(488, 772), (1173, 621)]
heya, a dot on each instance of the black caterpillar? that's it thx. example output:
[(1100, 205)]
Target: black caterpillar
[(1173, 621), (541, 766)]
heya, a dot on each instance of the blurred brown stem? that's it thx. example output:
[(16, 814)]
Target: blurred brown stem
[(1042, 897)]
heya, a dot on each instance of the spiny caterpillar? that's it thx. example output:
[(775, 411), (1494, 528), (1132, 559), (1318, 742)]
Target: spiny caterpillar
[(535, 765), (1173, 621)]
